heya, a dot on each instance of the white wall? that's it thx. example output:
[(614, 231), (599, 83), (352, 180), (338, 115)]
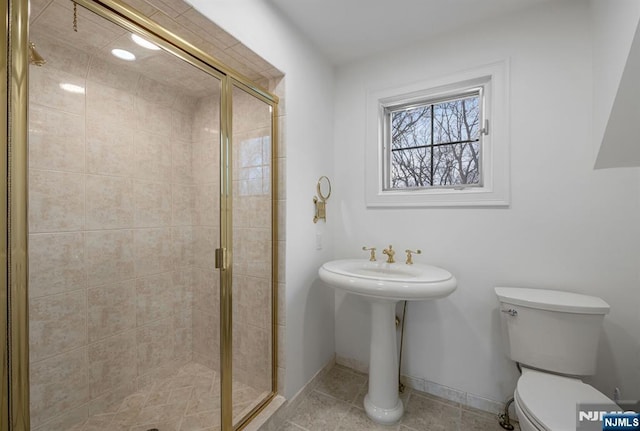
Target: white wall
[(614, 24), (309, 339), (568, 227)]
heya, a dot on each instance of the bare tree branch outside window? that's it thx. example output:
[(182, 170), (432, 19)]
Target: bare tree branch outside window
[(436, 144)]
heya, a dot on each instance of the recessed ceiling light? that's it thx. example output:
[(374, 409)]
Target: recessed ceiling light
[(72, 88), (122, 54), (144, 42)]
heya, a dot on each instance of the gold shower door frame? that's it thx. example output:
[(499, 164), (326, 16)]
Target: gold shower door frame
[(14, 320)]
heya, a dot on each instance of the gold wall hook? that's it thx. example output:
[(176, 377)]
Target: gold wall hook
[(324, 191)]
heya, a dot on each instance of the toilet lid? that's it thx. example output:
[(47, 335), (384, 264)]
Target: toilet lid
[(550, 400)]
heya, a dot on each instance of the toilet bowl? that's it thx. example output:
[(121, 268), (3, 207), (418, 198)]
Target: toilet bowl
[(553, 336), (549, 402)]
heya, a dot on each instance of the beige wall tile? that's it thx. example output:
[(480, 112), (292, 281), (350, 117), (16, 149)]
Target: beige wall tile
[(255, 298), (206, 29), (56, 139), (182, 124), (206, 333), (182, 169), (112, 75), (56, 201), (153, 156), (206, 155), (155, 297), (205, 244), (86, 38), (58, 384), (183, 342), (112, 362), (282, 189), (206, 121), (183, 201), (109, 256), (110, 154), (155, 344), (253, 244), (109, 202), (182, 240), (68, 420), (112, 309), (153, 251), (152, 204), (153, 118), (110, 402), (109, 110), (165, 18), (186, 104), (56, 263), (206, 289), (207, 205), (171, 7), (183, 280), (57, 323), (155, 92), (45, 90), (250, 113), (60, 57)]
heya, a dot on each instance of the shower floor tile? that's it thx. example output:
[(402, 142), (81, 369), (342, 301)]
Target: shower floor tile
[(187, 401)]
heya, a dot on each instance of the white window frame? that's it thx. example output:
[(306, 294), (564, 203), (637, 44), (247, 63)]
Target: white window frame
[(494, 190)]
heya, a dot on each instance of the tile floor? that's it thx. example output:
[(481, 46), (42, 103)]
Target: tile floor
[(187, 401), (335, 404)]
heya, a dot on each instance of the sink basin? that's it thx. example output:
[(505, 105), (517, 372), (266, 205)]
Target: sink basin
[(392, 281), (383, 285)]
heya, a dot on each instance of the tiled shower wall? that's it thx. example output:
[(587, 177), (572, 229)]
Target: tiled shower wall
[(122, 227), (205, 231), (252, 239)]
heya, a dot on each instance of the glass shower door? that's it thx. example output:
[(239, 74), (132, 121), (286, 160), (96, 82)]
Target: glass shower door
[(123, 226), (253, 251)]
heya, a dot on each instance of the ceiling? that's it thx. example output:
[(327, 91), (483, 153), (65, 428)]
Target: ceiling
[(348, 29)]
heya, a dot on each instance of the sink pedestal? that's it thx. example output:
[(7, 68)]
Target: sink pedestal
[(382, 403), (383, 284)]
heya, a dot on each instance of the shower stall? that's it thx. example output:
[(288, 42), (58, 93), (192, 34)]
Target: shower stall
[(141, 213)]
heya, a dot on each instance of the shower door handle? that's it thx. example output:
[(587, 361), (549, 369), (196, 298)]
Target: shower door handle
[(221, 258)]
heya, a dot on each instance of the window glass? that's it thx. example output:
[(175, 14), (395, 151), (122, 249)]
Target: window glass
[(435, 143)]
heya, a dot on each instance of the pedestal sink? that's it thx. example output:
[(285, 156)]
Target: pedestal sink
[(383, 285)]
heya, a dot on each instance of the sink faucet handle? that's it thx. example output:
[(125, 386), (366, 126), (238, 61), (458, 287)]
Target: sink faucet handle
[(410, 257), (372, 257), (390, 252)]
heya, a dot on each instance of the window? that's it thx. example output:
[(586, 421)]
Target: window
[(440, 143), (435, 143)]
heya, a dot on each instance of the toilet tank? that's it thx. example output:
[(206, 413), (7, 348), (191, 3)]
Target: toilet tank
[(552, 330)]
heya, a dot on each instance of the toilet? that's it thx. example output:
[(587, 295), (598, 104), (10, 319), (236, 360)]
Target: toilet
[(553, 336)]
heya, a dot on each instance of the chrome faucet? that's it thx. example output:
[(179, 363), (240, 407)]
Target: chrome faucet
[(390, 253)]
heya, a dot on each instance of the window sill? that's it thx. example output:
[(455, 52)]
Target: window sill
[(470, 197)]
